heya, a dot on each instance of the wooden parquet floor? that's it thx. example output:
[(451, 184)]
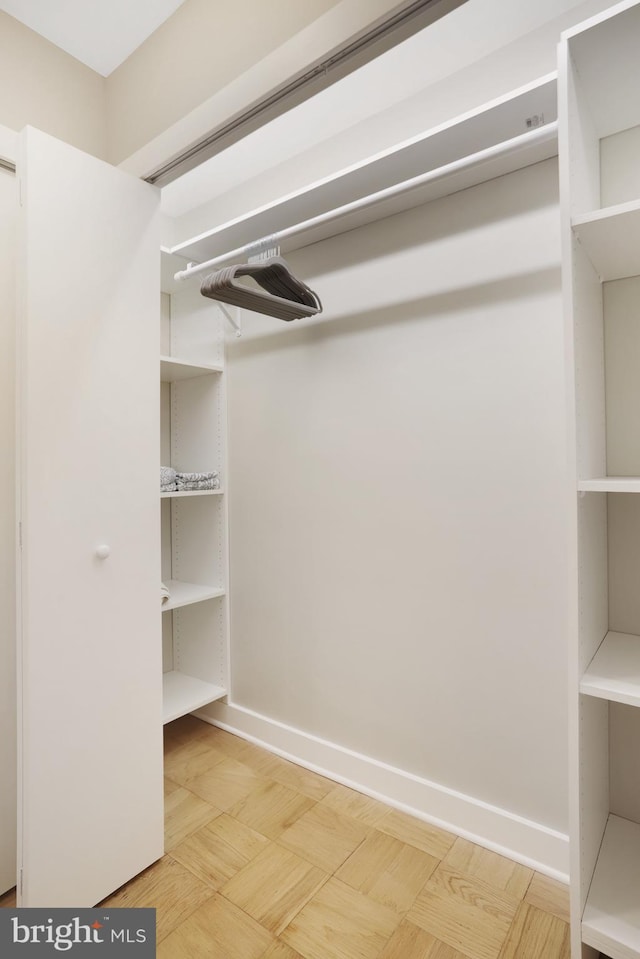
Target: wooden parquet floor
[(266, 860)]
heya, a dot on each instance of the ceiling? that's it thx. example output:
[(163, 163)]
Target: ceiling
[(99, 33)]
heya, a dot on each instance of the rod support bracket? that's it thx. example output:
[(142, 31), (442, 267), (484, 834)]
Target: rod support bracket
[(232, 320)]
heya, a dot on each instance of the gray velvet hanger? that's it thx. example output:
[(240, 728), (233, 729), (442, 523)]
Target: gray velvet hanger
[(280, 295)]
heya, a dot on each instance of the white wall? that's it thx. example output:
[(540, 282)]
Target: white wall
[(203, 54), (43, 86), (211, 61), (8, 215), (398, 546), (193, 54)]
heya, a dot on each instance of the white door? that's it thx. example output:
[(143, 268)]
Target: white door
[(8, 223), (89, 694)]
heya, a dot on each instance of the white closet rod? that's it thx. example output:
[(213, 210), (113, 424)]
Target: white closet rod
[(523, 142)]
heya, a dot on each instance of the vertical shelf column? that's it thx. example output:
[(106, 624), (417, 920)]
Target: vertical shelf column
[(600, 206), (194, 522)]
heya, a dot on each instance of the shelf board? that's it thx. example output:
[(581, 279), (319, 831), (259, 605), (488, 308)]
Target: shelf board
[(172, 369), (191, 492), (182, 694), (614, 671), (496, 122), (184, 594), (610, 484), (611, 238), (611, 919)]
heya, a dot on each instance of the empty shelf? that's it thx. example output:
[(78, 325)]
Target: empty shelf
[(610, 484), (614, 671), (611, 238), (172, 369), (192, 492), (182, 694), (611, 920), (432, 151), (183, 594)]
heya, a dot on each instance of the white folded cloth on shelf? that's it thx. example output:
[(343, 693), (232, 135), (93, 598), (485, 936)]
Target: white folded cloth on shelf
[(167, 479), (194, 487), (172, 481), (197, 481), (165, 596), (195, 477)]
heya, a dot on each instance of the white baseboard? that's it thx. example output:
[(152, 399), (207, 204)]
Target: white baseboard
[(522, 840)]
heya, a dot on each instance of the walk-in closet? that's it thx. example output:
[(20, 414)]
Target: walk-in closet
[(328, 440)]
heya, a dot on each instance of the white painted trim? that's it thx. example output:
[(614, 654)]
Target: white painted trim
[(506, 833)]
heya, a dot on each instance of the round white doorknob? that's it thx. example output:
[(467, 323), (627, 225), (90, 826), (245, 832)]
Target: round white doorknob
[(103, 551)]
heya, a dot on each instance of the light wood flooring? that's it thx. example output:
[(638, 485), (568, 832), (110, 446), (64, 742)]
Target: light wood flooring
[(265, 860)]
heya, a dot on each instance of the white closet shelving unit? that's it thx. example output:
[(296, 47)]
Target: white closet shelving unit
[(600, 185), (194, 524), (467, 150), (511, 132), (506, 134)]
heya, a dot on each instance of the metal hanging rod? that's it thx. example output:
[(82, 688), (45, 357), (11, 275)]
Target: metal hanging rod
[(539, 135), (7, 165)]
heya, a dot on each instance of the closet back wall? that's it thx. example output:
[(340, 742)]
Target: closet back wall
[(397, 478)]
